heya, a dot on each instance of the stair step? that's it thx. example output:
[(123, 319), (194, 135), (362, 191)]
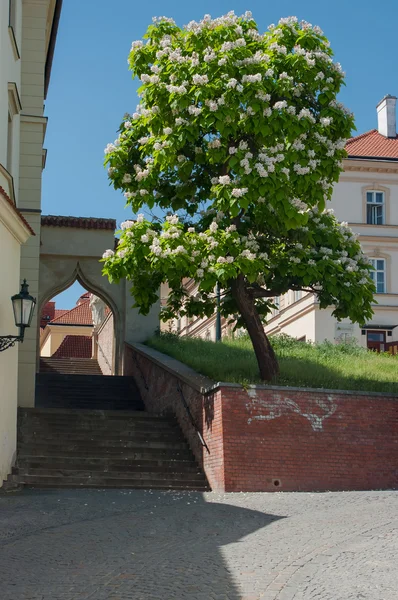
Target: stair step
[(53, 445), (73, 437), (125, 475), (80, 415), (105, 464), (108, 454), (101, 483)]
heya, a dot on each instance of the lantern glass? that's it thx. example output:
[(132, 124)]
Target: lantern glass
[(23, 305)]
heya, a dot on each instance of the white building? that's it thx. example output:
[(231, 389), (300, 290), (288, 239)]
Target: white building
[(367, 197), (27, 39)]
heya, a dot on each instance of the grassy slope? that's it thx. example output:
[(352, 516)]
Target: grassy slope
[(323, 365)]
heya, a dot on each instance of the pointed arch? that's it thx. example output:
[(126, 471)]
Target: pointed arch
[(58, 274)]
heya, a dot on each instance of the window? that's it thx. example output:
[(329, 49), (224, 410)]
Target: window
[(297, 294), (277, 303), (12, 14), (375, 208), (378, 275)]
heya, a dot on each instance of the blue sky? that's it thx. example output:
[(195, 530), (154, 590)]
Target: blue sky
[(91, 87)]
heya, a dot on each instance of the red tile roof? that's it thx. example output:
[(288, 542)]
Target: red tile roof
[(59, 312), (79, 222), (14, 208), (75, 346), (47, 314), (372, 145), (79, 315)]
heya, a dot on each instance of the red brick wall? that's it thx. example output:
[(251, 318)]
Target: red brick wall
[(280, 439), (309, 440)]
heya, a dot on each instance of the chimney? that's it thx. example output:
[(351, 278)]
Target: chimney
[(386, 117)]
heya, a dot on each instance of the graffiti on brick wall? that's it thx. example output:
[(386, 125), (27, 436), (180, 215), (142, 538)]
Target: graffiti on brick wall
[(266, 409)]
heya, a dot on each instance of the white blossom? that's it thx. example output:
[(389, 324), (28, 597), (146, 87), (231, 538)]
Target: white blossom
[(200, 79), (239, 192), (108, 254), (194, 110), (110, 148), (214, 144)]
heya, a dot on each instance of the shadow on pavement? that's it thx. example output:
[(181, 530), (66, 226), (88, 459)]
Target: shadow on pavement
[(120, 545)]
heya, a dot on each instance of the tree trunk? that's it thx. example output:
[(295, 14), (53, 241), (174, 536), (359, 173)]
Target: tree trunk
[(267, 362)]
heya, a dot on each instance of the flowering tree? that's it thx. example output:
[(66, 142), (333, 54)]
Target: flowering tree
[(238, 138)]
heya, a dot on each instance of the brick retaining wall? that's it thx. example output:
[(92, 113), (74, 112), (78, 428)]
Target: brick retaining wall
[(267, 438)]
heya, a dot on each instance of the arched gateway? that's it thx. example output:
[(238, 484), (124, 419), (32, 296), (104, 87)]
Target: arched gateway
[(70, 250)]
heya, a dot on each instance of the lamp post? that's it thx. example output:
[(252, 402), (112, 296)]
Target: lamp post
[(23, 305)]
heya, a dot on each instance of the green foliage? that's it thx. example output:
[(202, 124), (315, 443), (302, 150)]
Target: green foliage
[(325, 365), (241, 136)]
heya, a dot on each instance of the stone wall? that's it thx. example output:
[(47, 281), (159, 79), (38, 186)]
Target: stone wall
[(105, 345), (267, 438)]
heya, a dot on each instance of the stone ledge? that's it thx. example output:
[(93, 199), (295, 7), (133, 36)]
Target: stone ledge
[(205, 385)]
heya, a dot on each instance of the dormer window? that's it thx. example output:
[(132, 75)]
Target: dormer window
[(375, 207)]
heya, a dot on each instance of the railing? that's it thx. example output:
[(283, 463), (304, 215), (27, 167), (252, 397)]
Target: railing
[(188, 411), (391, 347), (137, 364)]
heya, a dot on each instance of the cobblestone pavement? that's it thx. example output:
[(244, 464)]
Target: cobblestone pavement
[(141, 545)]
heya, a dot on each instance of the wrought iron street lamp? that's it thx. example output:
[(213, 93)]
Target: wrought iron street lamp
[(23, 305)]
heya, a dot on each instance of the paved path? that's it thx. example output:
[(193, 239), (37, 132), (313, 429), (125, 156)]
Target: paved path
[(138, 545)]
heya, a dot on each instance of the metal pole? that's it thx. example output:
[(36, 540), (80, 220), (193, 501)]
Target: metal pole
[(218, 315)]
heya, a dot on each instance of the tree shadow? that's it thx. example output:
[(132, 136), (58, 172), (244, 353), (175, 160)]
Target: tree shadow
[(123, 545), (304, 372)]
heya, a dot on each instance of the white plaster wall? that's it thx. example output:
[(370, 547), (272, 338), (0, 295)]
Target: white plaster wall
[(138, 327), (347, 198), (9, 276), (296, 319), (10, 72), (347, 201), (46, 349)]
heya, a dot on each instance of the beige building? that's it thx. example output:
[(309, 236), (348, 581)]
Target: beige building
[(27, 38), (366, 196)]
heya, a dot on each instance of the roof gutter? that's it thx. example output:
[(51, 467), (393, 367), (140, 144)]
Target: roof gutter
[(51, 47), (377, 158)]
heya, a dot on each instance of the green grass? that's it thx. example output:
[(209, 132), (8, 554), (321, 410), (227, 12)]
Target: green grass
[(323, 365)]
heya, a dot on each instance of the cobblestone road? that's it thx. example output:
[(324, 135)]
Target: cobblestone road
[(121, 545)]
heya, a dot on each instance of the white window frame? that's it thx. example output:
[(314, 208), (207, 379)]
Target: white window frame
[(374, 260), (374, 206), (297, 295)]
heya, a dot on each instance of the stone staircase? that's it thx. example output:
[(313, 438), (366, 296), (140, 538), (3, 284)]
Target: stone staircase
[(97, 392), (91, 431), (103, 449), (76, 366)]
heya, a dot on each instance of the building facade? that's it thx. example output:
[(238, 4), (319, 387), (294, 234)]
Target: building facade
[(366, 196), (27, 39)]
